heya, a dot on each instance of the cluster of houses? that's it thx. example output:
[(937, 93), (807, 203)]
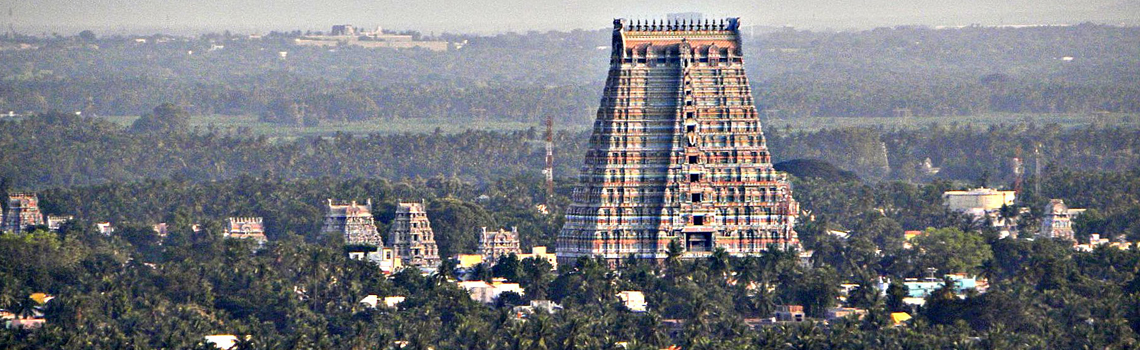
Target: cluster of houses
[(987, 203), (349, 35), (917, 290), (410, 244)]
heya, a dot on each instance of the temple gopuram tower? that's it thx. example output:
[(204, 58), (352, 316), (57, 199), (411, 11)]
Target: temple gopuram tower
[(677, 152), (23, 211), (411, 236), (495, 244), (355, 222)]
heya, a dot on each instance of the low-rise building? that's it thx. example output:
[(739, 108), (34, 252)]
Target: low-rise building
[(524, 311), (343, 30), (373, 301), (349, 35), (841, 312), (27, 319), (633, 300), (985, 204), (1096, 241), (55, 222), (393, 302), (41, 298), (386, 258), (979, 201), (805, 258), (540, 252), (979, 198), (487, 293), (839, 234), (222, 341), (908, 236), (24, 322), (105, 228), (918, 290), (161, 230), (900, 318), (468, 261), (790, 313)]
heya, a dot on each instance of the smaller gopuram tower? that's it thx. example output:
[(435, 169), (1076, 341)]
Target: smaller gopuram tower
[(494, 244), (246, 228), (411, 235), (23, 211), (1057, 220), (355, 222)]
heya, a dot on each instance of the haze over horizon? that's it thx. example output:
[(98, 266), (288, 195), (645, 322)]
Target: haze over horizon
[(243, 16)]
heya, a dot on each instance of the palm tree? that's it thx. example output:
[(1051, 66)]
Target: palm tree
[(719, 261), (574, 339), (537, 332), (673, 263), (244, 343), (25, 308)]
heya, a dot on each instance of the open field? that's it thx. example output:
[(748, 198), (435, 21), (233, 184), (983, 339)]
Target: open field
[(250, 124), (1065, 120)]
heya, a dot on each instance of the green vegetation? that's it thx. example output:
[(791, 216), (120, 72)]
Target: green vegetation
[(951, 249), (167, 118), (811, 168), (84, 151), (251, 126), (1064, 120), (301, 292), (254, 127), (523, 78), (91, 151), (131, 290), (246, 133)]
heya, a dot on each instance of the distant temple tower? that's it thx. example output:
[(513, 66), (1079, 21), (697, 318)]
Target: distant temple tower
[(355, 222), (1057, 221), (246, 228), (494, 244), (23, 211), (677, 153), (411, 236)]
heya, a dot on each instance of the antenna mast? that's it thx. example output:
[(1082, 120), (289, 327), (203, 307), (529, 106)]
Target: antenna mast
[(548, 171), (1037, 170), (1017, 173)]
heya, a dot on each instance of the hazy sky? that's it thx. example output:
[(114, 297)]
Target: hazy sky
[(148, 16)]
